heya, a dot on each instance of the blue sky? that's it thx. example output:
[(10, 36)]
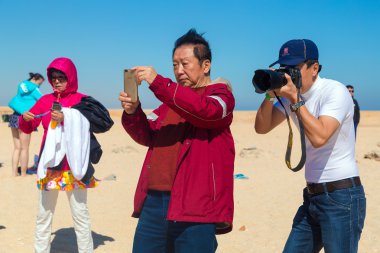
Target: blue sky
[(105, 37)]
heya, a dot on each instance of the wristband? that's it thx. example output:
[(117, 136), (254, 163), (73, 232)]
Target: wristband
[(268, 97)]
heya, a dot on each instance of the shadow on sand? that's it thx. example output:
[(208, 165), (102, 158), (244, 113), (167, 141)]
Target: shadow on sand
[(2, 227), (65, 240)]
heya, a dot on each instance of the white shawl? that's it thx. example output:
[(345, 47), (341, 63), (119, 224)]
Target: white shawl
[(72, 139)]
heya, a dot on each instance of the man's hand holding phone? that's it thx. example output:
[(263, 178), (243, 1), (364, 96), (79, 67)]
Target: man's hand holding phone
[(130, 84), (132, 78), (143, 73), (128, 105), (129, 97)]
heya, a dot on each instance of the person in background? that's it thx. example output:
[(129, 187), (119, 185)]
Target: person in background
[(356, 107), (62, 164), (334, 204), (28, 93), (185, 192)]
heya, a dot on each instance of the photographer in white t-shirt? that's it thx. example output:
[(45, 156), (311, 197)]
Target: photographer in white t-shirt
[(332, 215)]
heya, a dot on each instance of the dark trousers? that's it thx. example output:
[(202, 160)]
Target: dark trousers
[(155, 234), (355, 128)]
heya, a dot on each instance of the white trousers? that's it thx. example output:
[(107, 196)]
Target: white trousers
[(79, 213)]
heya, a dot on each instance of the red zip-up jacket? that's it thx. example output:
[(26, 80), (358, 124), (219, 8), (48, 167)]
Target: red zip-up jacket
[(203, 187)]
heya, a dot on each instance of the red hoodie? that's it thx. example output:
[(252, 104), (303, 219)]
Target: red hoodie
[(67, 98)]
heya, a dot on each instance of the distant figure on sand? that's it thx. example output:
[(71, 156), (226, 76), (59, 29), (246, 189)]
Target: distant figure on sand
[(356, 107), (185, 192), (63, 165), (333, 212), (28, 93)]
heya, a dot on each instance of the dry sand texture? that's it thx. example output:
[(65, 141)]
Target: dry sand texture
[(265, 203)]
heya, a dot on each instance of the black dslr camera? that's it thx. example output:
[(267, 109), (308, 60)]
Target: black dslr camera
[(266, 79)]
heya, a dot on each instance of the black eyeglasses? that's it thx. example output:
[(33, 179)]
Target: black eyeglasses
[(352, 91)]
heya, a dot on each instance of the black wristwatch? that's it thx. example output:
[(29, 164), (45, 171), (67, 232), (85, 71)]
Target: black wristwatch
[(296, 106)]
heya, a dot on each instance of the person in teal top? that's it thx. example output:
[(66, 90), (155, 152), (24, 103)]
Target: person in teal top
[(28, 93)]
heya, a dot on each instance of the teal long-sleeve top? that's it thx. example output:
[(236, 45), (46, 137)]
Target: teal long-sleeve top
[(27, 95)]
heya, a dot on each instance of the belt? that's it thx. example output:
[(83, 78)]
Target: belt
[(315, 188)]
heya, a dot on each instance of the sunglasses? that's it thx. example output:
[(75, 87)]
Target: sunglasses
[(59, 78), (352, 91)]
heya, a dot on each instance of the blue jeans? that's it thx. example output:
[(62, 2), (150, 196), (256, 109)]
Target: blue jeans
[(155, 234), (332, 220)]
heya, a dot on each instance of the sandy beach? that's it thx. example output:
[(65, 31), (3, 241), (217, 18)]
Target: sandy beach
[(265, 203)]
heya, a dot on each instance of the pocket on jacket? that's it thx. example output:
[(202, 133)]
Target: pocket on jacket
[(198, 194)]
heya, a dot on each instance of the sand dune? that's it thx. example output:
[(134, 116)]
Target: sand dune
[(264, 203)]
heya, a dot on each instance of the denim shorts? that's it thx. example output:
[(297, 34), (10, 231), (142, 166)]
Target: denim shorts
[(13, 120)]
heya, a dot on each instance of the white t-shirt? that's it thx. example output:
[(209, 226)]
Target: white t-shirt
[(336, 159)]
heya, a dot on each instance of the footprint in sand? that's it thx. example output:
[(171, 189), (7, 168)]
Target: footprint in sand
[(250, 151), (372, 155), (125, 149), (111, 177)]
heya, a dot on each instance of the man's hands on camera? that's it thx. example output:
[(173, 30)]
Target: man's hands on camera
[(127, 104), (288, 91), (143, 73), (269, 96)]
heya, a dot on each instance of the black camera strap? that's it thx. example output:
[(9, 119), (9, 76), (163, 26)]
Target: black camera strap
[(290, 138)]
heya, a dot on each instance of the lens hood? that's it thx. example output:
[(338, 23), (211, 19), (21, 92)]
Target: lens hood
[(266, 79)]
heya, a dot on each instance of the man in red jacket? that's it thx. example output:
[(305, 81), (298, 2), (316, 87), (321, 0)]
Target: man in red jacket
[(185, 192)]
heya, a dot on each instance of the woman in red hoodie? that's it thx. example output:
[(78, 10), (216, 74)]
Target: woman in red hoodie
[(62, 76)]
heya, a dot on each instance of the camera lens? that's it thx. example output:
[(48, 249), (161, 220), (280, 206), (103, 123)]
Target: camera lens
[(265, 79)]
